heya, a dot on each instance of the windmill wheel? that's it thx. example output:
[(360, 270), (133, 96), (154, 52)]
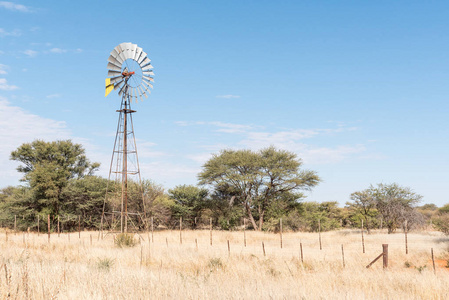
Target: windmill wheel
[(130, 72)]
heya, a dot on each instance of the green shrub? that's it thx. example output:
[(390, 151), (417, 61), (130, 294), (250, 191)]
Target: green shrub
[(105, 263), (441, 223), (125, 240)]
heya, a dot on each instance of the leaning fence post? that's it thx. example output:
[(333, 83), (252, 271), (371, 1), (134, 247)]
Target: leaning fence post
[(385, 255), (263, 248)]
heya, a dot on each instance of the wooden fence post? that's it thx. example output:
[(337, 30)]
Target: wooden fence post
[(210, 229), (244, 232), (280, 230), (263, 248), (196, 244), (300, 247), (433, 260), (363, 239), (229, 249), (385, 255), (180, 230), (152, 230), (343, 255), (405, 233), (48, 223), (319, 233)]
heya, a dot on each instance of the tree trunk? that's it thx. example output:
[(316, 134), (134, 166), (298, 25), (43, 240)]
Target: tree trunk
[(250, 215), (261, 214)]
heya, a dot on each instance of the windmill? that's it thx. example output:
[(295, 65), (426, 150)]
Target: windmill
[(130, 72)]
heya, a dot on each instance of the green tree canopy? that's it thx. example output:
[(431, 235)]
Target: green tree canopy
[(189, 202), (257, 178), (48, 167)]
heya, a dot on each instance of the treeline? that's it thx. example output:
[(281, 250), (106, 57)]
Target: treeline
[(235, 187)]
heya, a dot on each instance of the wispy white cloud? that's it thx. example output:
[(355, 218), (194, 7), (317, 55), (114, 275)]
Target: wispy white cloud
[(257, 137), (15, 32), (227, 96), (200, 157), (30, 53), (3, 69), (145, 150), (231, 128), (18, 126), (52, 96), (222, 127), (58, 50), (14, 7), (4, 86), (62, 50)]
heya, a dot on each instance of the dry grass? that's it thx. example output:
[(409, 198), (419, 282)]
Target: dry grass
[(32, 268)]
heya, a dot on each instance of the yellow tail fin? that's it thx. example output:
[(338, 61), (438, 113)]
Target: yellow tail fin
[(109, 86)]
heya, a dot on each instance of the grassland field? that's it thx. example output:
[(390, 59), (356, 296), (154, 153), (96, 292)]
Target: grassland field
[(159, 266)]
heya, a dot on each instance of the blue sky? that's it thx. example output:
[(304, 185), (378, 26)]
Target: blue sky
[(357, 89)]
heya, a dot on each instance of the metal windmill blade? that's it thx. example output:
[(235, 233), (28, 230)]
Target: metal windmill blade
[(130, 71)]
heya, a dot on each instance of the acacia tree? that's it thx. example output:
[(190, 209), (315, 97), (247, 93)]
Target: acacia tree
[(258, 178), (364, 205), (394, 204), (48, 167)]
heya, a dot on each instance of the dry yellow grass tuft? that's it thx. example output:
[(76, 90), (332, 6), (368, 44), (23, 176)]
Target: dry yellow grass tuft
[(93, 268)]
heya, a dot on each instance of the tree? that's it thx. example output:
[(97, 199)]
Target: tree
[(189, 202), (48, 167), (257, 178), (84, 197), (395, 205), (441, 219), (364, 206)]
